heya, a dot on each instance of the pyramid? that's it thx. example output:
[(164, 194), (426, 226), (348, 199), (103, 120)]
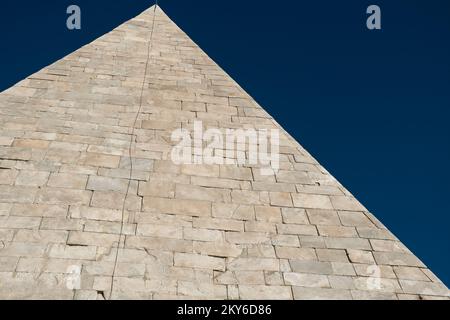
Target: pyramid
[(94, 206)]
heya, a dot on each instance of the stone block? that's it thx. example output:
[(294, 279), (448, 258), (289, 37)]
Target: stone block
[(198, 261)]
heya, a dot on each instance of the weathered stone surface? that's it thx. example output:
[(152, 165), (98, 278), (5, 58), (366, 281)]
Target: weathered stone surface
[(10, 194), (294, 215), (66, 180), (8, 264), (107, 184), (378, 284), (425, 288), (313, 267), (297, 229), (254, 264), (81, 189), (8, 176), (355, 219), (346, 203), (162, 231), (39, 210), (397, 259), (260, 292), (41, 236), (306, 280), (63, 196), (323, 217), (301, 293), (92, 238), (410, 273), (337, 231), (12, 222), (332, 255), (311, 201), (268, 214), (32, 178), (218, 224), (104, 214), (217, 249), (233, 211), (295, 253), (101, 160), (199, 261), (194, 208), (360, 256), (281, 199), (247, 237), (347, 243)]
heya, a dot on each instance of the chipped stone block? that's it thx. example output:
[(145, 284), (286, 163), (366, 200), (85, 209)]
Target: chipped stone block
[(215, 249), (360, 256), (311, 201), (62, 251), (198, 261), (92, 238), (194, 208), (233, 211)]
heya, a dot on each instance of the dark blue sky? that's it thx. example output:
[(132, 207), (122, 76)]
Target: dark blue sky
[(372, 106)]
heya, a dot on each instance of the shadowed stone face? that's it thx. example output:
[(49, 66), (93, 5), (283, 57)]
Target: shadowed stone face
[(79, 216)]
